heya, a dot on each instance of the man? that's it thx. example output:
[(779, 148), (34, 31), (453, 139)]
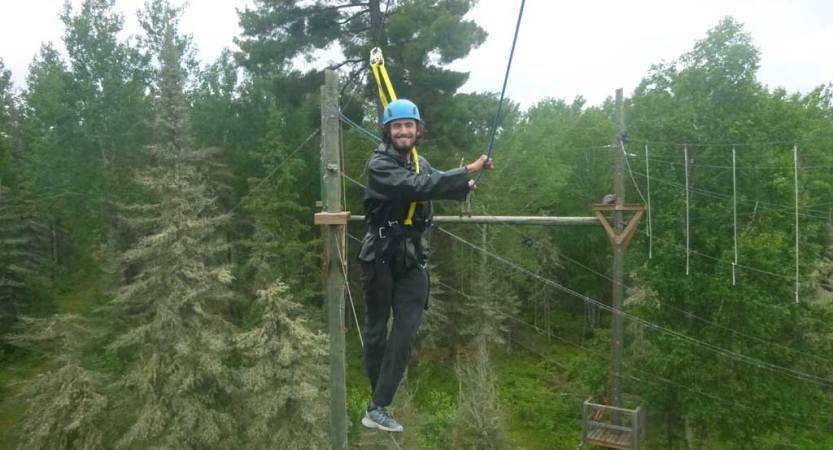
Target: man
[(394, 253)]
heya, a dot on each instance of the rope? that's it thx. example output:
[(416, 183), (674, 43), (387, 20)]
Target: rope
[(503, 91), (628, 164), (735, 213), (382, 24), (795, 171), (259, 185), (687, 211), (367, 132), (394, 441), (349, 294), (650, 221)]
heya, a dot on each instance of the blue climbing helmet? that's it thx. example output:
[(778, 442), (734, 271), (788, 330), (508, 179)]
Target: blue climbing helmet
[(401, 109)]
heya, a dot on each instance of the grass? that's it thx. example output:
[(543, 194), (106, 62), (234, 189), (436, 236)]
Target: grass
[(543, 411)]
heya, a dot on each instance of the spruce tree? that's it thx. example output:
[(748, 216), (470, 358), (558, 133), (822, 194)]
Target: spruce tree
[(283, 401), (67, 406), (284, 371), (480, 422), (174, 311), (24, 256), (280, 246), (23, 246)]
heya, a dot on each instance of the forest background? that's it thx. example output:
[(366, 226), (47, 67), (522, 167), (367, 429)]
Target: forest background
[(160, 274)]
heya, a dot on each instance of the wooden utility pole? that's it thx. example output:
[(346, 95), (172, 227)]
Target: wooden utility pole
[(334, 221), (618, 253), (619, 234)]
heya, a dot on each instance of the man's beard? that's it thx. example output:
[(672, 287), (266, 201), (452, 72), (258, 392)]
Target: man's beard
[(401, 149)]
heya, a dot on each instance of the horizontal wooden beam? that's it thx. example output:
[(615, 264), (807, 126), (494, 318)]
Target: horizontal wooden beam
[(592, 405), (325, 218), (614, 207), (512, 220)]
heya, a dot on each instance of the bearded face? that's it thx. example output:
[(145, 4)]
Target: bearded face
[(404, 134)]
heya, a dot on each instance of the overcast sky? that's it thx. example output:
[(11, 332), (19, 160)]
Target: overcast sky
[(588, 48)]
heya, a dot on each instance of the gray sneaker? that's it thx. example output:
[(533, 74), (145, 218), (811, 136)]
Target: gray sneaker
[(380, 418)]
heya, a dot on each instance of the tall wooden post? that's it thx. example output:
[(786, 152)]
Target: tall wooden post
[(618, 253), (334, 221)]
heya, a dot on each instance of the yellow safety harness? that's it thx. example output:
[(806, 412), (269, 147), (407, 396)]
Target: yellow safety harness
[(377, 63)]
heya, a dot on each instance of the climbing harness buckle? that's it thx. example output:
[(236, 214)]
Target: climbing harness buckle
[(393, 225)]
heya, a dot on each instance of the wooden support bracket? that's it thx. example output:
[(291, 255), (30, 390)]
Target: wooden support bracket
[(325, 218), (625, 238), (465, 207)]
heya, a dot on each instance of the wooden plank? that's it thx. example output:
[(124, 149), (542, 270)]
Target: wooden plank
[(609, 426), (610, 408), (609, 438), (629, 207), (325, 218), (511, 220)]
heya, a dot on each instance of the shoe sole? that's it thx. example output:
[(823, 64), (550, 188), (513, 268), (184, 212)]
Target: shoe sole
[(371, 424)]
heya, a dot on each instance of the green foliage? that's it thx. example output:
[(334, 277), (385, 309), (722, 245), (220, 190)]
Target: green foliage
[(8, 125), (77, 158), (283, 377), (66, 408), (278, 247), (713, 97), (24, 259), (434, 433), (479, 421), (535, 391), (418, 37), (203, 345), (174, 309)]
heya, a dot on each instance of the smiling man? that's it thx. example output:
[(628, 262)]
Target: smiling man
[(393, 254)]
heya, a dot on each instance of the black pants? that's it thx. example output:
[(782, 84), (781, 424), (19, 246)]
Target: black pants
[(405, 291)]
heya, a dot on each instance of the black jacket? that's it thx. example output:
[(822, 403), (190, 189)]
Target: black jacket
[(391, 187)]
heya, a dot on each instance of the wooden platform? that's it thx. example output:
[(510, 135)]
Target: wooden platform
[(605, 437), (613, 427)]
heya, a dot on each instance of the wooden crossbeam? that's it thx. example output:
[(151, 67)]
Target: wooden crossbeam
[(511, 220), (325, 218)]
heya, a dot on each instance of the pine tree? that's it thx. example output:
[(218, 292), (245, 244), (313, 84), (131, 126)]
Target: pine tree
[(67, 407), (278, 248), (23, 250), (24, 257), (7, 104), (480, 423), (175, 309), (284, 375), (283, 378)]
